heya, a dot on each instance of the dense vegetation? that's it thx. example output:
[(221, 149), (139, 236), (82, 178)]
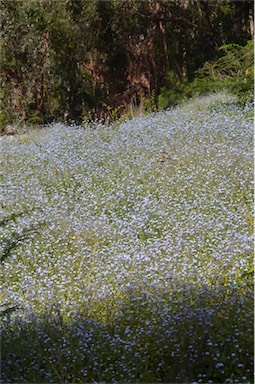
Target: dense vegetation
[(126, 246), (70, 60), (127, 250), (234, 70)]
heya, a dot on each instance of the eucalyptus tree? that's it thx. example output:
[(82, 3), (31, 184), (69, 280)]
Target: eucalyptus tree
[(60, 60)]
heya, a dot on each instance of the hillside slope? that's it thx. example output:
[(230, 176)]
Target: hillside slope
[(128, 249)]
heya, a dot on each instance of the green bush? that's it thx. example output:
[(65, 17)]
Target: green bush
[(233, 71)]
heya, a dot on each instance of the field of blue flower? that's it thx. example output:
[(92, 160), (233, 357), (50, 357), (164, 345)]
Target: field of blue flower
[(127, 251)]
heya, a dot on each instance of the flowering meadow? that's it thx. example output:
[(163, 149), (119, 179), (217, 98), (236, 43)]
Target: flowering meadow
[(127, 250)]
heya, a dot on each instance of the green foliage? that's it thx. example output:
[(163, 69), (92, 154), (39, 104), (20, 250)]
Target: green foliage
[(149, 104), (62, 59), (41, 77), (3, 121), (113, 113), (233, 71), (33, 118)]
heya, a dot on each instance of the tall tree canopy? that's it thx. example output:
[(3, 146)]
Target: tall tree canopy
[(61, 59)]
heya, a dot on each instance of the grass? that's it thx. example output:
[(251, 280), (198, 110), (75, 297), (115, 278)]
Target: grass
[(138, 251)]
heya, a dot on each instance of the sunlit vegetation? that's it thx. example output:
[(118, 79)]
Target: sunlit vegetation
[(127, 249), (232, 71)]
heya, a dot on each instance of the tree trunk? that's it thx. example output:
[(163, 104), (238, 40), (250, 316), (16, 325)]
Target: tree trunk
[(251, 26), (238, 23)]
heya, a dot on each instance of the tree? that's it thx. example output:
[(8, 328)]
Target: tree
[(62, 59)]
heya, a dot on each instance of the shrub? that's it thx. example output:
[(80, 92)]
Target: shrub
[(233, 71)]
